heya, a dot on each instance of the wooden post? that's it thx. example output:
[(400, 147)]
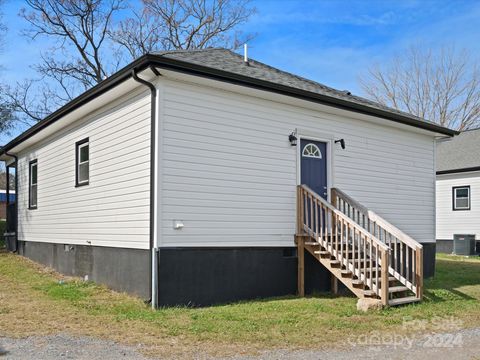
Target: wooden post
[(299, 210), (301, 265), (419, 272), (333, 201), (334, 235), (384, 289), (333, 197), (334, 284)]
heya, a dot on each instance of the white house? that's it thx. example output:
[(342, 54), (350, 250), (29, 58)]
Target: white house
[(176, 178), (458, 190)]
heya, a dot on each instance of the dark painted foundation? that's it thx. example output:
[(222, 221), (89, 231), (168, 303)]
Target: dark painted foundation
[(194, 276), (120, 269), (444, 246), (428, 259), (206, 276)]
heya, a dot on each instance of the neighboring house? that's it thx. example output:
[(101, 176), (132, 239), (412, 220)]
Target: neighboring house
[(458, 190), (3, 202), (176, 179)]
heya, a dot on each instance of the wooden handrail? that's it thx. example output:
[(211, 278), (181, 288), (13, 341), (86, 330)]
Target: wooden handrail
[(360, 253), (372, 216), (392, 229), (406, 263), (350, 200), (344, 217)]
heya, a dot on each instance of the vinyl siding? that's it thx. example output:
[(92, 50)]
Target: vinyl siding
[(451, 222), (229, 172), (113, 210)]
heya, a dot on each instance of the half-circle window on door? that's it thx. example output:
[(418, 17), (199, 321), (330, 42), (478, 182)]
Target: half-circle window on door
[(311, 150)]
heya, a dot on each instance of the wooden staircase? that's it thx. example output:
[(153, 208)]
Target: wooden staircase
[(370, 256)]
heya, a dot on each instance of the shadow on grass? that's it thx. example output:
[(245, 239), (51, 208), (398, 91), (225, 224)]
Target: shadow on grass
[(451, 277)]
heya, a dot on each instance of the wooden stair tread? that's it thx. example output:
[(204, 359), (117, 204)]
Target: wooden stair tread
[(360, 263), (390, 279), (394, 289), (403, 300), (322, 252), (373, 270), (357, 261)]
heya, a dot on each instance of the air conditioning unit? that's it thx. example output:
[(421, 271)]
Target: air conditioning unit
[(463, 244)]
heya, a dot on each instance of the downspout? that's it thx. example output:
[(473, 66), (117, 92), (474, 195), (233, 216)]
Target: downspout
[(16, 196), (153, 246)]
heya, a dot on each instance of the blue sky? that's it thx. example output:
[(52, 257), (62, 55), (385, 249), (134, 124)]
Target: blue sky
[(332, 42)]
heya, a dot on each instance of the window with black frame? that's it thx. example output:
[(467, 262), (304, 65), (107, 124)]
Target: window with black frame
[(33, 185), (82, 171), (461, 198)]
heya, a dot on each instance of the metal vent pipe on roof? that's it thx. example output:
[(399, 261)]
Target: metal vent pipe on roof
[(245, 53)]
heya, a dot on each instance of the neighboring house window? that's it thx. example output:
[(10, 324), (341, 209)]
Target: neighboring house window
[(82, 168), (461, 198), (33, 184), (311, 150)]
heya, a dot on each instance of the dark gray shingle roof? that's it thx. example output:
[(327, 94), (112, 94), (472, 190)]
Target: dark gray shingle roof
[(226, 65), (227, 60), (459, 152)]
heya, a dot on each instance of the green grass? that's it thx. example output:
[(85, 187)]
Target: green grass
[(287, 322)]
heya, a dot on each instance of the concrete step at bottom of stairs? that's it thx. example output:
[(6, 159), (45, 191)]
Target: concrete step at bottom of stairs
[(369, 293)]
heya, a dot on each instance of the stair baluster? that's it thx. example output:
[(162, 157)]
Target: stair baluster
[(360, 248)]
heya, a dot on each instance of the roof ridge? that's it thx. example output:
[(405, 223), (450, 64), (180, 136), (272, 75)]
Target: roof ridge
[(176, 51)]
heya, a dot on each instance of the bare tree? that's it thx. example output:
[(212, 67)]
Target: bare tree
[(3, 179), (184, 24), (32, 100), (88, 44), (79, 58), (6, 108), (78, 25), (441, 86)]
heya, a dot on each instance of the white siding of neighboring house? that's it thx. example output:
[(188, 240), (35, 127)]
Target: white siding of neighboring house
[(451, 222), (113, 210), (229, 172)]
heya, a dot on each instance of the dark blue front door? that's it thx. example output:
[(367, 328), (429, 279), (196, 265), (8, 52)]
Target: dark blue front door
[(313, 166)]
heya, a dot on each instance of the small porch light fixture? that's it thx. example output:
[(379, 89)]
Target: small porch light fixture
[(342, 143), (293, 139)]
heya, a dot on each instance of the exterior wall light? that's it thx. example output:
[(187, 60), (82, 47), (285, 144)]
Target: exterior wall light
[(293, 139), (342, 143)]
